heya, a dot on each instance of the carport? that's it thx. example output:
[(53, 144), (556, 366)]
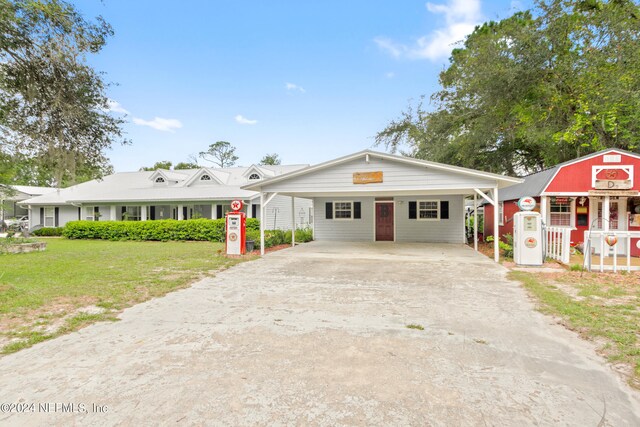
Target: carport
[(371, 196)]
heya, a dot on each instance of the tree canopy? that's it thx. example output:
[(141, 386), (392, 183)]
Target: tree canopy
[(221, 154), (532, 90), (271, 159), (53, 106), (168, 164)]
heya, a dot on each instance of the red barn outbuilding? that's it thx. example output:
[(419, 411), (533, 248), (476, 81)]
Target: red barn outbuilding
[(600, 191)]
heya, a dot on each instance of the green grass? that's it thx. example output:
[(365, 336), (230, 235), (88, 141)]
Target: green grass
[(415, 326), (40, 289), (605, 313)]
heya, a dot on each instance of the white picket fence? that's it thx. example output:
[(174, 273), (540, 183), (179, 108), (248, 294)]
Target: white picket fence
[(558, 243), (595, 245)]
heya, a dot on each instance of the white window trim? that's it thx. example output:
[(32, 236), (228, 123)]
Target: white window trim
[(91, 217), (501, 213), (427, 219), (333, 203), (52, 217), (572, 214)]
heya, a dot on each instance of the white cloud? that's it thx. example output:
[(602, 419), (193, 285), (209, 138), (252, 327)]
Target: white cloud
[(158, 123), (116, 107), (390, 75), (244, 121), (292, 87), (460, 16)]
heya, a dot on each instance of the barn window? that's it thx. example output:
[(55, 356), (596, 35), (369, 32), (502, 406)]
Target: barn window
[(254, 176), (560, 213)]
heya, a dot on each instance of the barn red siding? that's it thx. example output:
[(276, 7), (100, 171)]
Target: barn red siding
[(576, 177)]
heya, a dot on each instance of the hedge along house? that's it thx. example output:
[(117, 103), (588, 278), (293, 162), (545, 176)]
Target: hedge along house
[(372, 196), (600, 191), (165, 194)]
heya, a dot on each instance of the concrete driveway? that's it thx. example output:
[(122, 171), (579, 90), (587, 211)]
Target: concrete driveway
[(317, 335)]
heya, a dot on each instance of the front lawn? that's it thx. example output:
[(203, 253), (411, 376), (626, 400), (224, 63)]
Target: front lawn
[(77, 282), (602, 307)]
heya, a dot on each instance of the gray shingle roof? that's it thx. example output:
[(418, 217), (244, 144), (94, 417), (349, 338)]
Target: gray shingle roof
[(532, 185)]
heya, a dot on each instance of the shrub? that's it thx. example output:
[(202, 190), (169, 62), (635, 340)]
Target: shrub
[(278, 237), (52, 231), (161, 230)]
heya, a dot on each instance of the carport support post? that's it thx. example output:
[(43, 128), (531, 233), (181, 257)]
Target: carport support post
[(475, 222), (261, 223), (496, 226), (293, 221)]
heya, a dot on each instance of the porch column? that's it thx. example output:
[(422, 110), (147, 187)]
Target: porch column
[(496, 226), (214, 211), (475, 222), (261, 223), (249, 210), (606, 207), (180, 216), (293, 221), (112, 213), (143, 213), (543, 209)]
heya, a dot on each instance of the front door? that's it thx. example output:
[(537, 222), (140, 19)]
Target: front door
[(384, 221)]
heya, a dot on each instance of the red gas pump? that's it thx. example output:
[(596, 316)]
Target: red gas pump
[(236, 229)]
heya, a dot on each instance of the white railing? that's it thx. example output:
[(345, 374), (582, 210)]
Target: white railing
[(595, 244), (558, 243)]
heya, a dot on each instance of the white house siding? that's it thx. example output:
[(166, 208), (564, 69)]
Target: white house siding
[(346, 230), (396, 176), (278, 213), (407, 230), (444, 231)]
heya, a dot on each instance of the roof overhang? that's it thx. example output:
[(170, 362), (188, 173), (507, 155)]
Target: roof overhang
[(501, 180)]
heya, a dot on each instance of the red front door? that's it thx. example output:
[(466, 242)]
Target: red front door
[(384, 221)]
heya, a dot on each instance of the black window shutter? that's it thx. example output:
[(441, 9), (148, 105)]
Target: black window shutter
[(124, 209), (41, 216), (96, 213), (184, 212), (57, 216), (328, 210), (79, 214), (357, 214), (444, 210), (254, 211), (152, 212), (219, 211), (413, 210)]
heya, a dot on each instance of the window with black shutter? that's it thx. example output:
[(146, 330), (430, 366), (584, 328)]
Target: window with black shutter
[(328, 210), (357, 210), (218, 211), (413, 210), (444, 209)]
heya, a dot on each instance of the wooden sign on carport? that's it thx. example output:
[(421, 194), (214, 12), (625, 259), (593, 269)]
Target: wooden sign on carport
[(367, 177)]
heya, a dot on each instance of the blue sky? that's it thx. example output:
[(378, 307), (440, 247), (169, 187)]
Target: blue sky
[(308, 80)]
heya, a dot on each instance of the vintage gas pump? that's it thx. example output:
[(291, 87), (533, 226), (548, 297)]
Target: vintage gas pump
[(527, 234), (236, 235)]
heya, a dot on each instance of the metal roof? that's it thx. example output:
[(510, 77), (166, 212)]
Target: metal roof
[(139, 187)]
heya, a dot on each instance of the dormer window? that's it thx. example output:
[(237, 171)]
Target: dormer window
[(254, 176), (205, 177), (160, 180)]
